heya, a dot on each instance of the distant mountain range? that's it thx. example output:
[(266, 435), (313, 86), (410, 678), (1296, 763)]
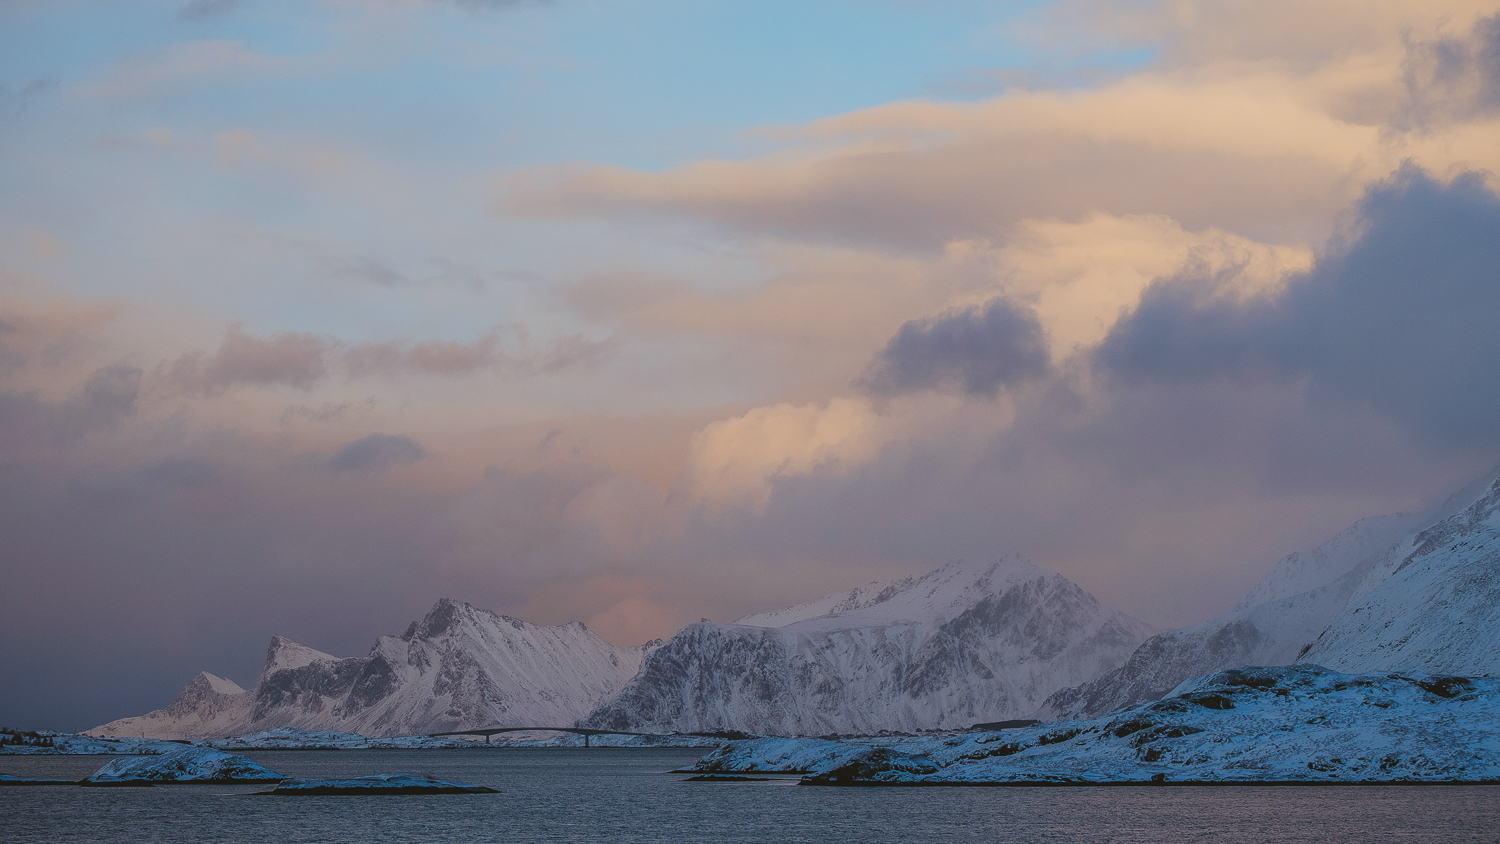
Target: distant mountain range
[(966, 643), (458, 667)]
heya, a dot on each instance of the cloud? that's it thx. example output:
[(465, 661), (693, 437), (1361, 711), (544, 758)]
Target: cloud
[(1250, 403), (1247, 154), (107, 397), (1398, 320), (19, 100), (503, 348), (376, 453), (38, 336), (286, 359), (1453, 79), (187, 62), (737, 460), (32, 428), (438, 357), (493, 5), (301, 361), (201, 10), (978, 350), (1297, 33)]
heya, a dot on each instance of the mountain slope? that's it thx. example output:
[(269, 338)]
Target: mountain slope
[(963, 644), (1303, 596), (1436, 610), (459, 667)]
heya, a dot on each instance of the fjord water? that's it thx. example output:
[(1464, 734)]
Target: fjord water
[(626, 795)]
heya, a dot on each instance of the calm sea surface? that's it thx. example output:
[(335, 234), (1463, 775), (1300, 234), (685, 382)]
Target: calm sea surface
[(625, 795)]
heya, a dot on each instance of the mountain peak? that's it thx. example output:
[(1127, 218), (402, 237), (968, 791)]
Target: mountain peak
[(447, 615), (958, 582), (216, 684), (283, 653)]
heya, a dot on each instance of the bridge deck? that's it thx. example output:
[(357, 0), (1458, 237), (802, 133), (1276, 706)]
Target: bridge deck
[(586, 732)]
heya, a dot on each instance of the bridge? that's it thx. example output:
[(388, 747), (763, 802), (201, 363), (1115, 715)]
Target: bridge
[(586, 732)]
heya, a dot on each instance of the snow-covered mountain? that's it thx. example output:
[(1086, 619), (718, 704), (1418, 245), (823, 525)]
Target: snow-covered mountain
[(1433, 605), (963, 644), (1388, 594), (457, 668)]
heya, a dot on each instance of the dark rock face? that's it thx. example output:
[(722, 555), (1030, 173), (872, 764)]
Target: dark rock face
[(376, 680), (866, 768), (306, 686)]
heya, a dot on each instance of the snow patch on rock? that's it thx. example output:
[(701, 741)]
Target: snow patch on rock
[(189, 764)]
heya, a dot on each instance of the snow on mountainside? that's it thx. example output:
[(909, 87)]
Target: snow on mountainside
[(1282, 617), (1300, 572), (207, 707), (855, 599), (285, 654), (1437, 609), (459, 667), (963, 644)]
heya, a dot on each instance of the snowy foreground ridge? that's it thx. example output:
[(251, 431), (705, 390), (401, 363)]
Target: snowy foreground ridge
[(1293, 724)]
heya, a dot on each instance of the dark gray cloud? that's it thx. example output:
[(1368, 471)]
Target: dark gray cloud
[(977, 350), (376, 453), (1453, 78), (1398, 320)]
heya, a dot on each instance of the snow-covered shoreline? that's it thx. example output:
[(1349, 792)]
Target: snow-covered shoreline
[(1298, 724)]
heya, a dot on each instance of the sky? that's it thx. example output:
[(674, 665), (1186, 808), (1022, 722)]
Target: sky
[(312, 313)]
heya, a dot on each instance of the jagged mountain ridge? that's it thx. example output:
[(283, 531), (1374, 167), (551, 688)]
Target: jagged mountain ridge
[(1329, 622), (963, 644), (458, 668)]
